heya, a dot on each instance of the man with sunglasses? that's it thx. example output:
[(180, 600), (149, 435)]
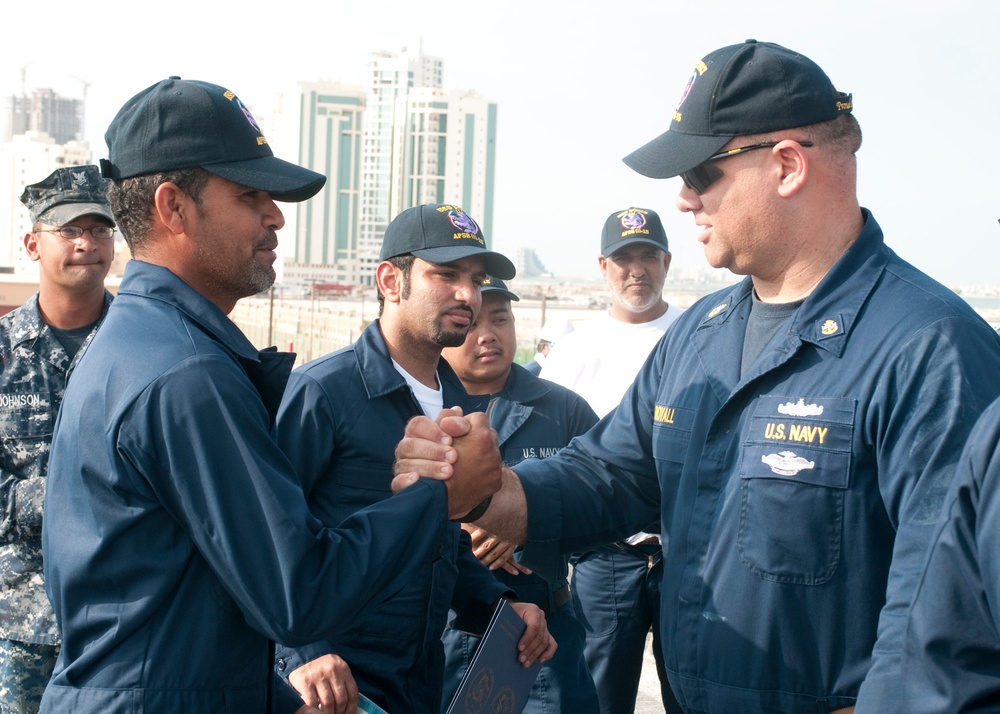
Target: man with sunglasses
[(72, 240), (795, 434)]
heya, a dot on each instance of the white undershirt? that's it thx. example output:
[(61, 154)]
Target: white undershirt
[(431, 400)]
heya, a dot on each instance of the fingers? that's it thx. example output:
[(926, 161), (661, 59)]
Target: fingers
[(536, 643), (404, 481), (424, 457), (327, 683)]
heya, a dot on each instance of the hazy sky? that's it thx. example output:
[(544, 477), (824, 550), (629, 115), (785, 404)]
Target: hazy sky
[(580, 84)]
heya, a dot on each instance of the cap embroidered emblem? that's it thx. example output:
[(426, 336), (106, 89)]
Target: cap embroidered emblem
[(787, 463), (463, 221), (633, 220), (800, 409), (78, 178), (830, 327)]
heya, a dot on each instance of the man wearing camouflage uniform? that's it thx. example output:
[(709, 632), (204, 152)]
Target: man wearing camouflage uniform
[(72, 239)]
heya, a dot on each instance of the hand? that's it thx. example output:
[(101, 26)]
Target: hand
[(469, 464), (494, 552), (327, 683), (426, 448), (536, 642)]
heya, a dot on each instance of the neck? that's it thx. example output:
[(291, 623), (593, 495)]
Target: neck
[(68, 310), (651, 313), (419, 359), (492, 387), (799, 276)]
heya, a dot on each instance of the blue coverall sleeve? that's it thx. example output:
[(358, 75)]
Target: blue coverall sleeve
[(941, 382), (476, 589), (952, 649), (606, 479), (201, 435)]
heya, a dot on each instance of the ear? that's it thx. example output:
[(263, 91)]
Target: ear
[(389, 280), (172, 206), (603, 262), (666, 260), (794, 163), (31, 246)]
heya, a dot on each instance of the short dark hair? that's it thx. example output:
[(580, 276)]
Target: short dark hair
[(843, 132), (131, 200), (403, 263)]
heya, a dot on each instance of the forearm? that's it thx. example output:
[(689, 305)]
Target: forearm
[(507, 515)]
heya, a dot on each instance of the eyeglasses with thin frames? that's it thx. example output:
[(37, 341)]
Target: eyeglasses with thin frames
[(706, 173), (75, 232)]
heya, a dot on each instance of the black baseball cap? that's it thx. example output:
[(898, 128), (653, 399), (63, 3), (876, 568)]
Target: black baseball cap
[(66, 194), (633, 225), (183, 124), (496, 285), (751, 88), (441, 233)]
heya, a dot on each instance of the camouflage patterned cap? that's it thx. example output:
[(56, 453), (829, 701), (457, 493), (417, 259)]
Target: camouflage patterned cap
[(67, 194)]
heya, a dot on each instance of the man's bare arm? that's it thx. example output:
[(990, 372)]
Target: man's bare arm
[(456, 447)]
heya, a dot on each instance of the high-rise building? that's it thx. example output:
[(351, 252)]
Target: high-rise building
[(28, 158), (528, 264), (401, 141), (45, 111), (447, 142), (326, 226), (391, 76)]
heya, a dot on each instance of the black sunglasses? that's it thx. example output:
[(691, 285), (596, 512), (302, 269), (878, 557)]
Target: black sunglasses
[(706, 173)]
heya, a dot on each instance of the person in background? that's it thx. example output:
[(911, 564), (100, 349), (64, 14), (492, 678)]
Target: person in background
[(795, 434), (339, 423), (551, 332), (616, 587), (72, 240), (177, 541), (533, 419)]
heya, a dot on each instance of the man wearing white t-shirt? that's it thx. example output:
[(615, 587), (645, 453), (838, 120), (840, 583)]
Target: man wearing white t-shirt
[(616, 588), (340, 419)]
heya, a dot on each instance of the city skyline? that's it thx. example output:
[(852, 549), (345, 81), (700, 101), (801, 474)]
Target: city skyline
[(579, 85)]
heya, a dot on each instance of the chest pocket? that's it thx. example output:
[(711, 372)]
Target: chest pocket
[(672, 433), (25, 433), (794, 474)]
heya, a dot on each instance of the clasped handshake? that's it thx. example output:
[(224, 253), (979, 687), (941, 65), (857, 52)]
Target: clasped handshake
[(460, 450)]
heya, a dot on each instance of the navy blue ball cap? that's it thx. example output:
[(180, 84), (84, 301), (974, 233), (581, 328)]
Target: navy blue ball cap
[(496, 285), (740, 90), (441, 233), (633, 225), (183, 124)]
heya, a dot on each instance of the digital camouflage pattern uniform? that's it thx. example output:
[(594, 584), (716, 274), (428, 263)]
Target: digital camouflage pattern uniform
[(33, 372)]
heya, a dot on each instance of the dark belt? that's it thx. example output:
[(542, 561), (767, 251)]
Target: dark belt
[(555, 600)]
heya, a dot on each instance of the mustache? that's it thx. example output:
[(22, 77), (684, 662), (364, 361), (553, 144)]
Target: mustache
[(464, 308), (268, 242)]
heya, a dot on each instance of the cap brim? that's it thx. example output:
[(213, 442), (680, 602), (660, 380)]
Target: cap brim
[(282, 180), (672, 153), (496, 264), (501, 291), (610, 250), (65, 212)]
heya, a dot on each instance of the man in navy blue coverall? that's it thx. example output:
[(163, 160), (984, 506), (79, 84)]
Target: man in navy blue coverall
[(795, 434), (177, 541), (534, 418), (340, 419)]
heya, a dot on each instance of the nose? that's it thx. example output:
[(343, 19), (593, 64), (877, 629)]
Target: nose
[(272, 217), (85, 242), (687, 200), (486, 336), (468, 292)]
